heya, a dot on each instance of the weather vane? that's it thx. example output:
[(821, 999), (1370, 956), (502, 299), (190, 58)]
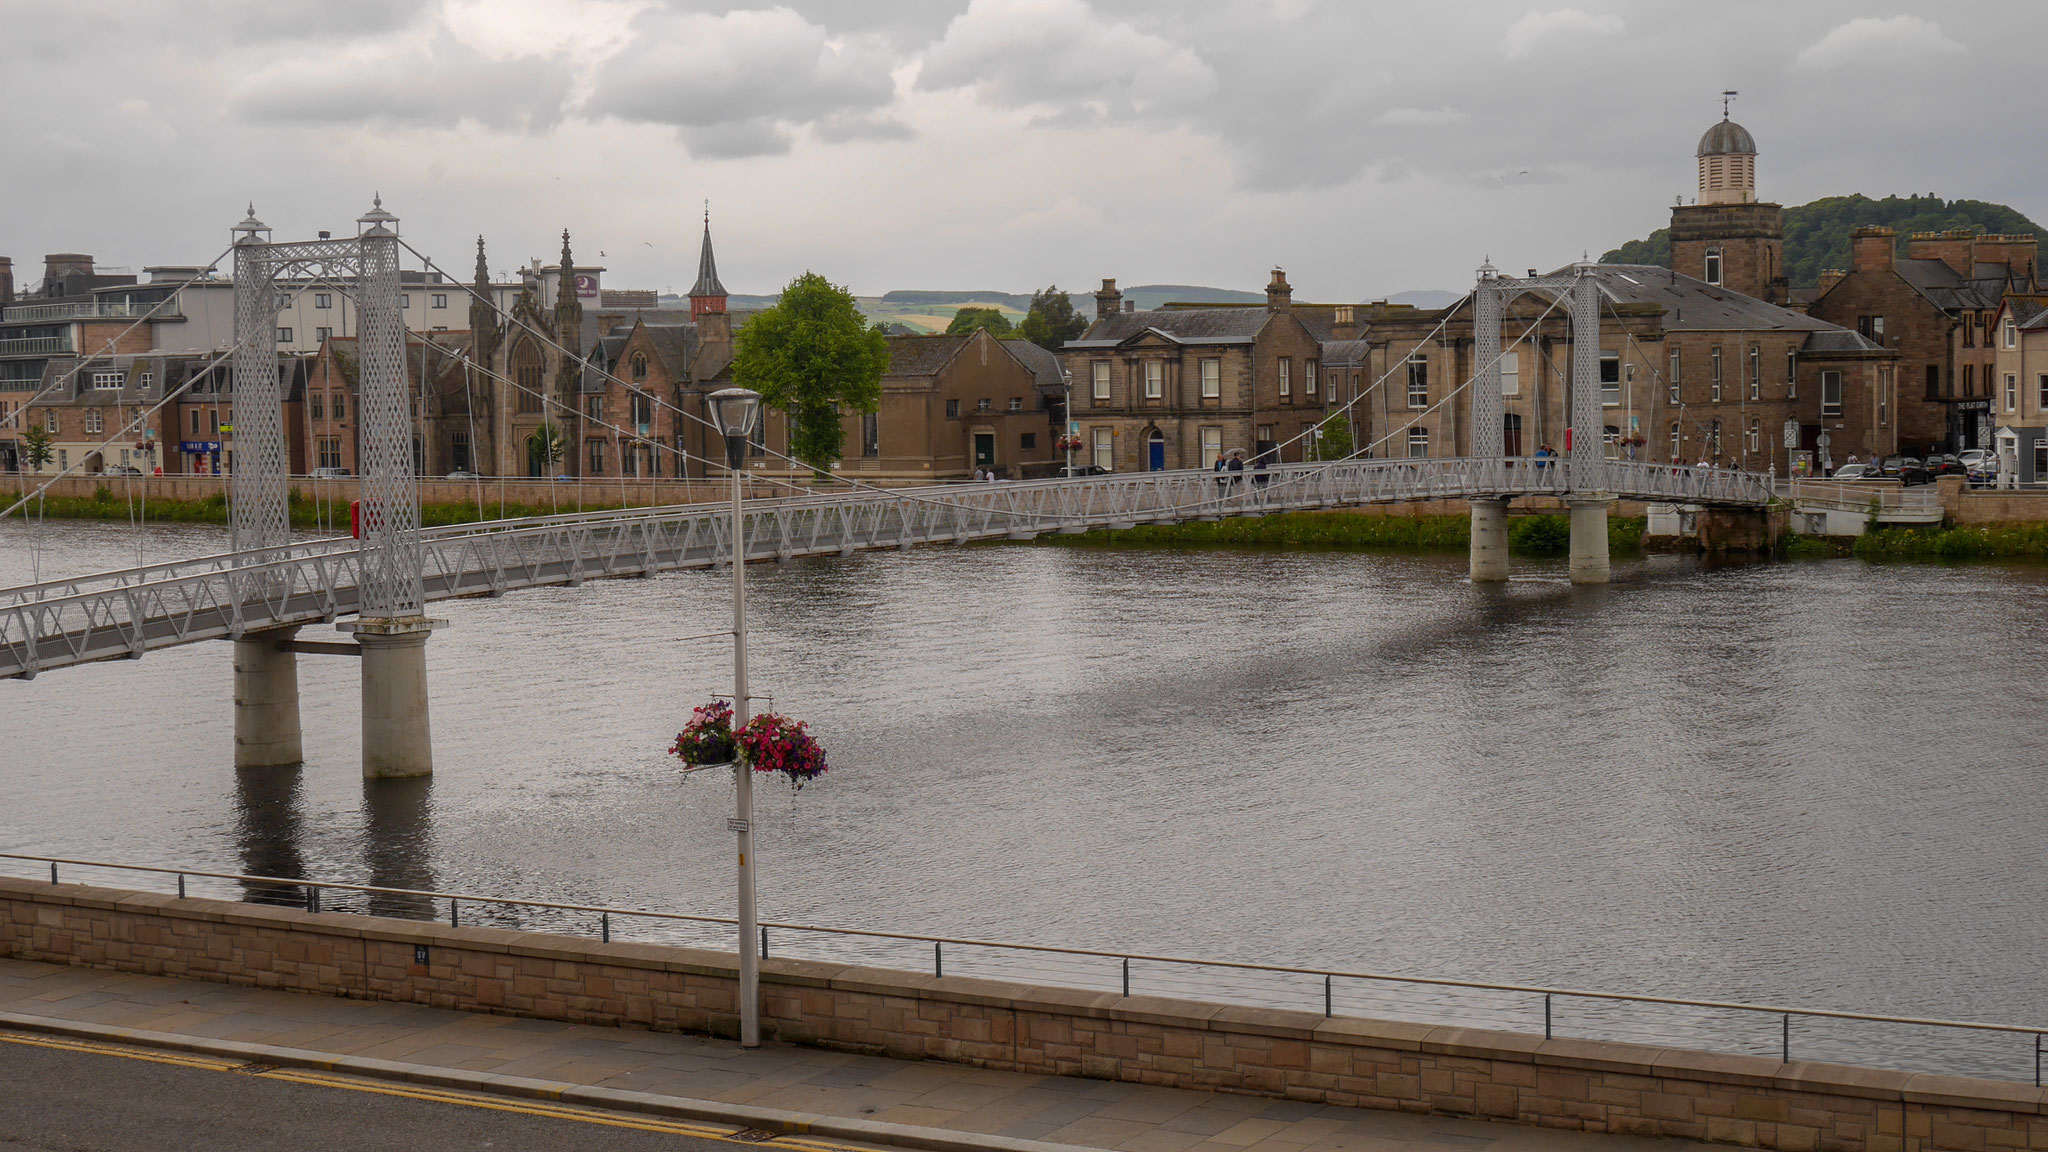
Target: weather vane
[(1727, 95)]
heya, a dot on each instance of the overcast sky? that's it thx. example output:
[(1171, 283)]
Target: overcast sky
[(1366, 147)]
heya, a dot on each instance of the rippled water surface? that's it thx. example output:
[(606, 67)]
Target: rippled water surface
[(1816, 784)]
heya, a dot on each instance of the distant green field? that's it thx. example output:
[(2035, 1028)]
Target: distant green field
[(927, 317)]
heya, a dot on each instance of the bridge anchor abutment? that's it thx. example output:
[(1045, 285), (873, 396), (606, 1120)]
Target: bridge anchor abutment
[(267, 731), (1589, 564), (397, 740), (1489, 539)]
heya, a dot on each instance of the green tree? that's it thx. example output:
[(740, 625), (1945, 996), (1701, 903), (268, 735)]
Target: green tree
[(1335, 441), (968, 320), (35, 447), (1051, 320), (545, 446), (812, 355)]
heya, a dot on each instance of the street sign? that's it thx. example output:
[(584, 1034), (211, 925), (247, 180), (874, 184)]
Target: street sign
[(1073, 427), (735, 824), (1823, 440), (1791, 433), (227, 427)]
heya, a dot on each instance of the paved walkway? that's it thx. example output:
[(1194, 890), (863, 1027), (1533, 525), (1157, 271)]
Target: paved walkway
[(955, 1100)]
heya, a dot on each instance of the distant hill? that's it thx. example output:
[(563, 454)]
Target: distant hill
[(1817, 234)]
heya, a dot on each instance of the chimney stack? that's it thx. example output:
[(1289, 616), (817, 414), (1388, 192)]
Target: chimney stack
[(1953, 248), (1279, 294), (1871, 248), (1108, 301), (2016, 252), (59, 267), (1829, 277)]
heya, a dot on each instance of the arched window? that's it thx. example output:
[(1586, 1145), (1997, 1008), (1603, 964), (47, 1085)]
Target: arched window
[(526, 376), (1713, 270), (639, 366)]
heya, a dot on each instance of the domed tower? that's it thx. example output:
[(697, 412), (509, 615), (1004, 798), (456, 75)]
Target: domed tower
[(1727, 237)]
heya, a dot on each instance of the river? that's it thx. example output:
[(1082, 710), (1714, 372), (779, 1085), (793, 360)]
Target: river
[(1813, 783)]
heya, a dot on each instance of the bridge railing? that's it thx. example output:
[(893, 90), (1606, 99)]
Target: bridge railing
[(124, 613), (1963, 1047)]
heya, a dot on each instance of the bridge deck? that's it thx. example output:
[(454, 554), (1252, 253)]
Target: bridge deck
[(117, 615)]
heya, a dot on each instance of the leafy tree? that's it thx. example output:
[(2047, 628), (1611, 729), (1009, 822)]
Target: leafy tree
[(1817, 234), (1335, 441), (35, 447), (968, 320), (546, 445), (811, 355), (1051, 320)]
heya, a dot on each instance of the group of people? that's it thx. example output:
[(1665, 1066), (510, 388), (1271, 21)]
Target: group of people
[(1230, 469)]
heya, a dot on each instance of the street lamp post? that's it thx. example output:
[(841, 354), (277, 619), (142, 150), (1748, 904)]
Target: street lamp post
[(735, 410), (1067, 419)]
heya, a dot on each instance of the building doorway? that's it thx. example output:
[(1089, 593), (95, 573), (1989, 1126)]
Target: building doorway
[(1155, 451), (984, 449), (1511, 434)]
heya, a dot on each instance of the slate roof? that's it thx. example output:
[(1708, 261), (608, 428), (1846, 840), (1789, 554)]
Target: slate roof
[(2030, 312), (1948, 290), (1181, 325), (1696, 306), (1346, 352), (923, 355), (1840, 340), (1044, 366), (707, 269)]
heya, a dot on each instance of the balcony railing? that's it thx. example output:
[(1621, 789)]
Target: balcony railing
[(95, 310), (36, 346)]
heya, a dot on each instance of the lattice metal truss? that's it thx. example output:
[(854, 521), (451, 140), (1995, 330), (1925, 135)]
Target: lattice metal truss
[(1581, 290), (389, 497)]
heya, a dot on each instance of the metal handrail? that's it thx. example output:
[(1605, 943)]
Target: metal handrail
[(1054, 949)]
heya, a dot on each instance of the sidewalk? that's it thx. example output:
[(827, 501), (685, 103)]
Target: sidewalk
[(778, 1087)]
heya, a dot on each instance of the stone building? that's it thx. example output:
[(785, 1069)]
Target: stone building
[(1726, 237), (954, 405), (1934, 308), (2020, 331), (1179, 386)]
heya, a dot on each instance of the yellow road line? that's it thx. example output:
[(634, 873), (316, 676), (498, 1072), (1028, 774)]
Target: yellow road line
[(182, 1059), (430, 1094)]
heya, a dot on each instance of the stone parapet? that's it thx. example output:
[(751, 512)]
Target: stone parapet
[(1584, 1085)]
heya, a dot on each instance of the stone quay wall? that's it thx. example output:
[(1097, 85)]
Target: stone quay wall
[(1584, 1085)]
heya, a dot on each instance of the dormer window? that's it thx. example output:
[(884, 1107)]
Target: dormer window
[(1713, 271)]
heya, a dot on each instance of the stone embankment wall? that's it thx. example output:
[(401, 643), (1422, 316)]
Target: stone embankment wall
[(530, 492), (1574, 1084)]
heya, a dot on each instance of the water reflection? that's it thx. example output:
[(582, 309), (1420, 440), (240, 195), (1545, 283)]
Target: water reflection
[(398, 844), (268, 826)]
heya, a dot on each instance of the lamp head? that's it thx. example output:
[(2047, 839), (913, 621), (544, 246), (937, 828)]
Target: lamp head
[(734, 410)]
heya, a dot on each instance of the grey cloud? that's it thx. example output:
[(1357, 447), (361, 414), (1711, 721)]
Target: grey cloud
[(1064, 54), (841, 128), (438, 83), (734, 82)]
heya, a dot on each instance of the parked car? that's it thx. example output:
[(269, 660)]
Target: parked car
[(1946, 465), (460, 474), (1913, 472), (1855, 472), (329, 473), (1973, 457), (1085, 470), (122, 470)]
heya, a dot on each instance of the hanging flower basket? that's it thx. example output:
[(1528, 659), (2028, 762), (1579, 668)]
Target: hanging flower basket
[(767, 743), (707, 739), (774, 743)]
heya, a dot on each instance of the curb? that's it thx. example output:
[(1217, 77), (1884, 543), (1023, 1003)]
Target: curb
[(779, 1120)]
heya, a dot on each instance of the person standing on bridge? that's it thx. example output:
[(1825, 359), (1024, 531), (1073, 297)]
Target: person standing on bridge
[(1222, 478), (1236, 469)]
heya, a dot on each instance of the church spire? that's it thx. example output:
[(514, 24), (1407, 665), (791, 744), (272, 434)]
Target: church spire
[(707, 294), (483, 312), (568, 330)]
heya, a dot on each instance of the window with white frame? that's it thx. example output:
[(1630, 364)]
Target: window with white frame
[(1674, 373), (2012, 392), (1105, 449), (1713, 268), (1309, 378), (1155, 379), (144, 381), (2042, 395), (1101, 379), (1418, 381), (1753, 440), (1610, 379), (1418, 442), (1884, 395), (1016, 403), (1791, 373), (1510, 373), (95, 420), (1675, 436), (1714, 373), (1756, 372), (1831, 393), (50, 421), (324, 300), (1212, 445), (105, 380), (1286, 377), (1212, 379), (2012, 333)]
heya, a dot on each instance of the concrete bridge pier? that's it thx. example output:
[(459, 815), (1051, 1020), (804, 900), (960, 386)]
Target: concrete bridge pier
[(267, 700), (1589, 539), (397, 741), (1489, 539)]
